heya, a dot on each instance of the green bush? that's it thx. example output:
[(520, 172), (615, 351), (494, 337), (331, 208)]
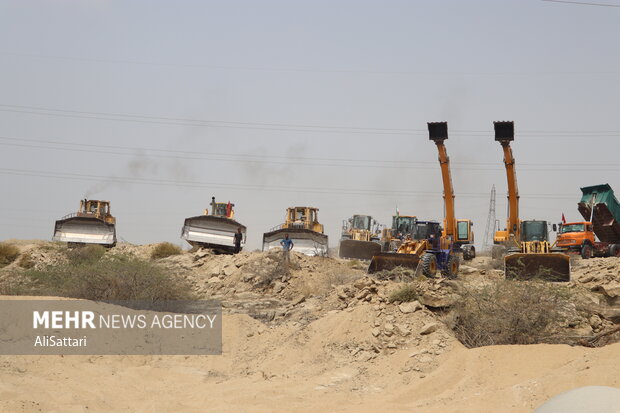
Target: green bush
[(85, 254), (8, 253), (115, 278), (165, 249), (510, 312), (404, 294)]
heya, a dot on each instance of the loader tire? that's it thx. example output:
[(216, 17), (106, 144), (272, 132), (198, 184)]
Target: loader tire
[(586, 251), (429, 264), (452, 267)]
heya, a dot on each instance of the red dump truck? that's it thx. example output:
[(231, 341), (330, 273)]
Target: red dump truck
[(599, 234)]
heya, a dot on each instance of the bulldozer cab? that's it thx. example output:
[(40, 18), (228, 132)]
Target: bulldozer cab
[(221, 209), (304, 218), (95, 208)]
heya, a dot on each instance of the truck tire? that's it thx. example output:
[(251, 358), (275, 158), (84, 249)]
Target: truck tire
[(614, 250), (452, 267), (469, 252), (586, 251), (429, 264)]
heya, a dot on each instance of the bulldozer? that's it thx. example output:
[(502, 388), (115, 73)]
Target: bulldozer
[(428, 244), (303, 228), (215, 230), (528, 253), (360, 238), (91, 224)]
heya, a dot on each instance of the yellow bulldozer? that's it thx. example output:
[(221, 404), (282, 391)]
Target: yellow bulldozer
[(303, 228), (360, 238), (91, 224), (428, 244), (215, 230), (526, 243)]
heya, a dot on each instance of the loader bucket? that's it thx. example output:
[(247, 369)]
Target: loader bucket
[(215, 232), (361, 250), (305, 241), (390, 260), (85, 230), (547, 267)]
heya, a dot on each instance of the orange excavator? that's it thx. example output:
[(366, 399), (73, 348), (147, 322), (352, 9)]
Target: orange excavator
[(430, 246), (529, 254)]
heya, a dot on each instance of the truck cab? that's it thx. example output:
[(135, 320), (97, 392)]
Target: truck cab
[(573, 235)]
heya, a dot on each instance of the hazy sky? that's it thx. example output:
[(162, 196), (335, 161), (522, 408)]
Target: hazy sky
[(158, 105)]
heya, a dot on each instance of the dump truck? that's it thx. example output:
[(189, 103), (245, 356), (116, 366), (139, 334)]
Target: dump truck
[(303, 228), (429, 245), (215, 230), (91, 224), (360, 238), (599, 234), (524, 244)]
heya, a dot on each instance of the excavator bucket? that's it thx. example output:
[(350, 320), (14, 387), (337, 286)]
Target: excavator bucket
[(390, 260), (305, 241), (85, 230), (544, 266), (214, 232), (361, 250)]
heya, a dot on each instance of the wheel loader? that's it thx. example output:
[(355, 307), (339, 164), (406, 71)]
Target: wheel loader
[(303, 228), (428, 245), (525, 243), (215, 230), (402, 226), (360, 238), (91, 224)]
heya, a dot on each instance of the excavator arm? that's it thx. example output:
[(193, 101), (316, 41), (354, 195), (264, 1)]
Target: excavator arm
[(504, 134), (438, 132)]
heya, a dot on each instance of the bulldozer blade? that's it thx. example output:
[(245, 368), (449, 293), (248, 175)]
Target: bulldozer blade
[(361, 250), (84, 230), (547, 267), (214, 232), (390, 260), (305, 241)]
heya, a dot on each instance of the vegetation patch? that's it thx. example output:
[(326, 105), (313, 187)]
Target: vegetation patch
[(8, 253), (165, 249), (510, 312), (404, 294)]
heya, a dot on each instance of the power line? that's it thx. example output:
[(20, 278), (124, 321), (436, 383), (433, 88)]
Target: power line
[(583, 3), (287, 127), (278, 188), (310, 70), (282, 160)]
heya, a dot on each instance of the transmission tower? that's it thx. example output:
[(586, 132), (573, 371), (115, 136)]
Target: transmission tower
[(488, 232)]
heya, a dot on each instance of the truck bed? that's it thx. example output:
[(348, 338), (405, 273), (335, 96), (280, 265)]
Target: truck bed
[(606, 219)]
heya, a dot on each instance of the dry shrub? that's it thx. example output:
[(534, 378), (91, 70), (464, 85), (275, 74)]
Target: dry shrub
[(26, 261), (8, 253), (165, 249), (85, 253), (115, 278), (396, 274), (404, 294), (510, 312)]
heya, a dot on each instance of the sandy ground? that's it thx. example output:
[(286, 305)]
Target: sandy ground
[(315, 352)]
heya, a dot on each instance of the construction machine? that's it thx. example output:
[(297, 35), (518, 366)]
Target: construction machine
[(402, 226), (430, 246), (91, 224), (215, 230), (360, 238), (303, 228), (526, 243), (599, 235)]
